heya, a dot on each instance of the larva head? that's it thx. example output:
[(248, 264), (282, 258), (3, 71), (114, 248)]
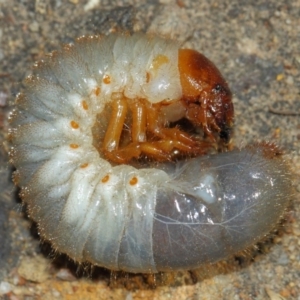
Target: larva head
[(206, 94)]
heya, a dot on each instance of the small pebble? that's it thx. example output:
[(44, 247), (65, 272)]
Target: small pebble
[(5, 287), (34, 269), (34, 26), (66, 275)]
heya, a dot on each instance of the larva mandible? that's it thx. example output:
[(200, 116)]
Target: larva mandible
[(93, 108)]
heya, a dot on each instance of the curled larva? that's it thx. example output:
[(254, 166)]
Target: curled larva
[(81, 135)]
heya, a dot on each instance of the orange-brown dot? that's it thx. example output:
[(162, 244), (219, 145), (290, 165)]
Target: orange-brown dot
[(147, 77), (74, 124), (105, 178), (133, 181), (16, 177), (84, 105), (97, 90), (106, 79), (84, 165), (10, 136), (158, 61), (74, 146)]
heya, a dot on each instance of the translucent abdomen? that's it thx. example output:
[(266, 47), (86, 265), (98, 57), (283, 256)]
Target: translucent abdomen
[(216, 206)]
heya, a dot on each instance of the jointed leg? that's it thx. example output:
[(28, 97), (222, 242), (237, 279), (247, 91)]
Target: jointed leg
[(115, 125), (147, 123), (139, 122), (180, 139)]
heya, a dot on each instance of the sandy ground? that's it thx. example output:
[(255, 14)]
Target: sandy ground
[(256, 46)]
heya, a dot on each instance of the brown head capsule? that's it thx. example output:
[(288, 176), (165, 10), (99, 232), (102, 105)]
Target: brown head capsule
[(205, 94)]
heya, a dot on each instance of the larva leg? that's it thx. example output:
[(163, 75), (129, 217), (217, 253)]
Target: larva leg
[(184, 142), (124, 154), (156, 127), (139, 122), (138, 132), (181, 140), (115, 126), (159, 150), (146, 120)]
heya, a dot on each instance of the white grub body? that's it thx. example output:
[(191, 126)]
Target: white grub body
[(163, 217)]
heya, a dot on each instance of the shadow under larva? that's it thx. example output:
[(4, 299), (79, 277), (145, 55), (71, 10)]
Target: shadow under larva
[(112, 175)]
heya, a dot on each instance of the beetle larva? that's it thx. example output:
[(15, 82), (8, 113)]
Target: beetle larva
[(91, 110)]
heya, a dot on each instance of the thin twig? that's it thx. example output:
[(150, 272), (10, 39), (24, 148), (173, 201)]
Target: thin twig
[(283, 112)]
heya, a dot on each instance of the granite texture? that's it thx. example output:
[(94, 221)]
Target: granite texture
[(256, 46)]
